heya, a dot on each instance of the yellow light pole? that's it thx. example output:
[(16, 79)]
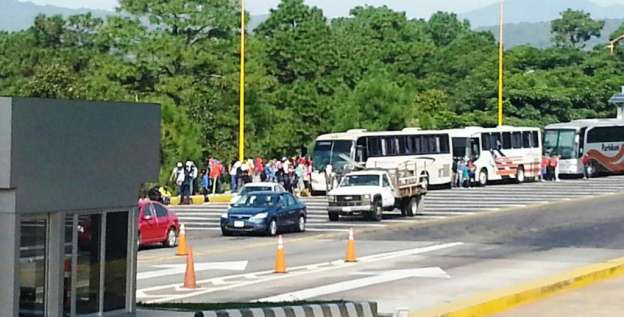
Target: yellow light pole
[(241, 129), (500, 65)]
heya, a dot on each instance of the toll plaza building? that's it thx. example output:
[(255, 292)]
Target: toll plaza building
[(69, 177)]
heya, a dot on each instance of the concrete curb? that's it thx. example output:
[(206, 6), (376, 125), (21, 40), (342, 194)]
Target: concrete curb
[(348, 309), (494, 302)]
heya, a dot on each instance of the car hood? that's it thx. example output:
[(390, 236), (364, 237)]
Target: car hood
[(248, 210), (355, 190)]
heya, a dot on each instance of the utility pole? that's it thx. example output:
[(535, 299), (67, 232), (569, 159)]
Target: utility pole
[(500, 64), (241, 129)]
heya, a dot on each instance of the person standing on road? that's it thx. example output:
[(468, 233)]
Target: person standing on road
[(585, 161), (454, 170), (544, 167), (300, 173), (177, 177), (461, 170), (234, 175), (472, 171), (205, 184), (550, 170), (557, 158)]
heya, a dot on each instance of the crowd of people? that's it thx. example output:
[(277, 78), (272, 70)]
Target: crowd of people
[(464, 173), (294, 174)]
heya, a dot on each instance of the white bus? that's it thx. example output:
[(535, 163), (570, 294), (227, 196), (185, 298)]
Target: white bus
[(385, 149), (601, 139), (499, 153)]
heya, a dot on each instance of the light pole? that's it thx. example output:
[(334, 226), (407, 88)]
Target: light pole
[(241, 128), (500, 64)]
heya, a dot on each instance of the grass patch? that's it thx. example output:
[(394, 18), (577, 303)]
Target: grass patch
[(222, 306)]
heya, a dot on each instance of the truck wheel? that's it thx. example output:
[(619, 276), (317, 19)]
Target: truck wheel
[(404, 206), (377, 213), (333, 216), (415, 206)]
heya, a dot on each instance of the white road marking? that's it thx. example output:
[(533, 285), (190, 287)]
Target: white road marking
[(267, 276), (174, 269), (377, 278)]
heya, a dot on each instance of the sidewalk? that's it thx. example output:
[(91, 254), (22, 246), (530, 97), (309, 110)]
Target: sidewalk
[(603, 299)]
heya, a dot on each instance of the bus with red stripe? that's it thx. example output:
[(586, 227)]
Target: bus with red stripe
[(602, 140), (499, 153)]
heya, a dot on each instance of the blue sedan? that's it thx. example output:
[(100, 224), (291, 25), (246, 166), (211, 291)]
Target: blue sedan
[(264, 212)]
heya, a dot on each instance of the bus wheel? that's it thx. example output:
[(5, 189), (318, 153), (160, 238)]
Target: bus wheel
[(483, 177), (520, 175)]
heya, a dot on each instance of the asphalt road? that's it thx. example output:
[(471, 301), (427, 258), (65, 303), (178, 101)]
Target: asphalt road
[(412, 263)]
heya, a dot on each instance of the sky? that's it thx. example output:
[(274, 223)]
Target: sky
[(331, 8)]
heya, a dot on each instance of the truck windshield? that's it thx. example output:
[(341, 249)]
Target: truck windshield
[(360, 180), (330, 152), (560, 142)]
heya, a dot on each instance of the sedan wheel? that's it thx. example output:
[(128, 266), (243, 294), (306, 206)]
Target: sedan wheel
[(272, 228), (172, 239), (302, 224)]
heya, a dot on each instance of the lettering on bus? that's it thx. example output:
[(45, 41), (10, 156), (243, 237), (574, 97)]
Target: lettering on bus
[(610, 147)]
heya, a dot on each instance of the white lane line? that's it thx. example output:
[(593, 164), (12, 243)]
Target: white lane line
[(294, 272), (380, 278)]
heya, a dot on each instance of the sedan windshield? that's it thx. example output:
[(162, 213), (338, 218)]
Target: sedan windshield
[(251, 189), (256, 200), (360, 180)]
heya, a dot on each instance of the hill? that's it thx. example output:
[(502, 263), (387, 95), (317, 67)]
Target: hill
[(16, 15), (538, 34), (531, 11)]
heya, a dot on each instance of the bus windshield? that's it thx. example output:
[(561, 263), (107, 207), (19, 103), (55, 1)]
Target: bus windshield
[(329, 152), (560, 142)]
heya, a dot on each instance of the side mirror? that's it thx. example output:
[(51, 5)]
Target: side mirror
[(147, 217)]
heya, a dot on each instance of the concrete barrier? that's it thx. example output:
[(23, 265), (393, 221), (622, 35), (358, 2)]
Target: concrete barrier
[(347, 309), (494, 302)]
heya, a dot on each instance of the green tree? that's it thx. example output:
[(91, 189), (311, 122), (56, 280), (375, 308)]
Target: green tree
[(445, 27), (574, 28)]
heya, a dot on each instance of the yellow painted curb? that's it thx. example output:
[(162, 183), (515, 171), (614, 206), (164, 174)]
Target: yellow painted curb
[(220, 198), (494, 302), (195, 200)]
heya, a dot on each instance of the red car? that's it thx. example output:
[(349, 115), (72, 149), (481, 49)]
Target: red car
[(157, 224)]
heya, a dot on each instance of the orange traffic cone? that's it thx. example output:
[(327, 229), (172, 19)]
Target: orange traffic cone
[(351, 257), (189, 275), (280, 258), (181, 242)]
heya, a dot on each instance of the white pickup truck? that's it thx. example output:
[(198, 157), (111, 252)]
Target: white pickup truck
[(370, 192)]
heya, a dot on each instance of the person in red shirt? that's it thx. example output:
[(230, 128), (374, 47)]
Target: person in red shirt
[(544, 167), (552, 168), (585, 161)]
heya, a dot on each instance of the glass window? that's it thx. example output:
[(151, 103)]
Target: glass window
[(360, 180), (497, 141), (506, 140), (386, 182), (374, 146), (402, 140), (161, 212), (361, 154), (606, 135), (516, 140), (418, 148), (536, 139), (459, 147), (290, 200), (526, 140), (32, 267), (116, 260), (88, 269), (560, 142), (485, 138), (444, 144), (67, 263)]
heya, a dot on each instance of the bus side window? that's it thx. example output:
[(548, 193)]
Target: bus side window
[(418, 145), (486, 139), (374, 147), (360, 150), (403, 145), (536, 139), (506, 140), (516, 140), (526, 140), (444, 144)]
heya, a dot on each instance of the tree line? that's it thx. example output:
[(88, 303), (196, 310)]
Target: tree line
[(306, 74)]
